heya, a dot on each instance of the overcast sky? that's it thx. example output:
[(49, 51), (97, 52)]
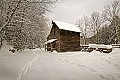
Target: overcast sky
[(72, 10)]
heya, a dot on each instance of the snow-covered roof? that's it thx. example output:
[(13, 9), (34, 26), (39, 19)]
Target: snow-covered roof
[(50, 41), (67, 26)]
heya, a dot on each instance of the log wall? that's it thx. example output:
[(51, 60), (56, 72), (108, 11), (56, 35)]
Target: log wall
[(69, 41), (54, 34)]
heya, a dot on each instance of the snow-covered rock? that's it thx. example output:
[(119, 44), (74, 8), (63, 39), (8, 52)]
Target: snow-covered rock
[(100, 46)]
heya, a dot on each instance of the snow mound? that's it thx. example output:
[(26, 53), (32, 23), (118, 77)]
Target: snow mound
[(54, 51), (115, 51), (37, 50), (94, 52)]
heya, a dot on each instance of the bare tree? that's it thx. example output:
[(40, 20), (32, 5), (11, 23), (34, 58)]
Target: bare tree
[(91, 26), (96, 20), (111, 13), (83, 25)]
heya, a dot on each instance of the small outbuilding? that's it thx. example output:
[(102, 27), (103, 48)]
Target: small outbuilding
[(63, 37)]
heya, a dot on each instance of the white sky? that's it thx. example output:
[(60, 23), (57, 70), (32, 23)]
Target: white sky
[(72, 10)]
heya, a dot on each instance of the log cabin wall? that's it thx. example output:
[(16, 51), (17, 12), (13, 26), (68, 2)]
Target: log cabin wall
[(69, 41), (54, 34)]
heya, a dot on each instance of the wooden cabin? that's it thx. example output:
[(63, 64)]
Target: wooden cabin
[(63, 37)]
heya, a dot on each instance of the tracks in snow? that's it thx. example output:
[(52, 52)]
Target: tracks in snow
[(23, 72), (91, 71)]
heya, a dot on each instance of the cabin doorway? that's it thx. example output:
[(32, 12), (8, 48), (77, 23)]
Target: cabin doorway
[(53, 46)]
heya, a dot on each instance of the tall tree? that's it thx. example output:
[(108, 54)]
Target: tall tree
[(111, 13), (96, 21), (83, 25)]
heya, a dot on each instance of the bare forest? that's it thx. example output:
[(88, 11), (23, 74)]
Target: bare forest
[(23, 23), (102, 27)]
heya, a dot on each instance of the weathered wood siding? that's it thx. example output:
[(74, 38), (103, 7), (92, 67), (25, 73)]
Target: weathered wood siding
[(69, 41), (54, 34)]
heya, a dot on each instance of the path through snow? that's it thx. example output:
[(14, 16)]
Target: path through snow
[(23, 72)]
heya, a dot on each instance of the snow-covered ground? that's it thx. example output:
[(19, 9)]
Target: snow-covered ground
[(38, 64), (105, 66)]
